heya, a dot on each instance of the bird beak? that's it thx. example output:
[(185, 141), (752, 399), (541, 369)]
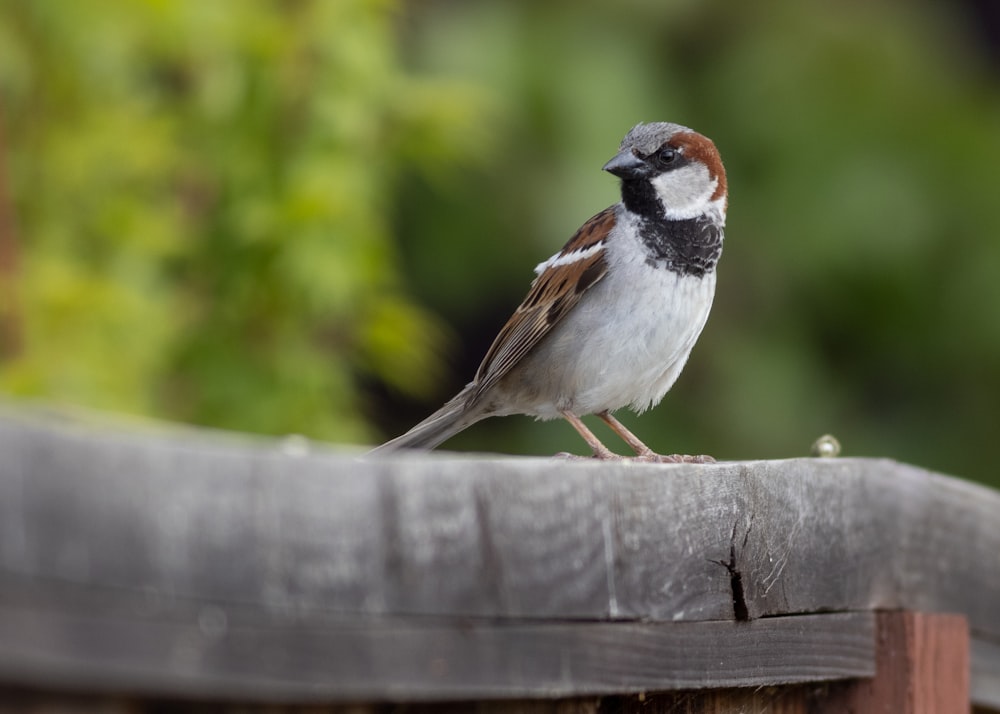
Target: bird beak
[(626, 165)]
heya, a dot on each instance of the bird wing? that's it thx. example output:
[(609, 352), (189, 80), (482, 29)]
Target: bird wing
[(561, 282)]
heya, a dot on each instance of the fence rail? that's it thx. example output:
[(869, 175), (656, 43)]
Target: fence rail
[(213, 567)]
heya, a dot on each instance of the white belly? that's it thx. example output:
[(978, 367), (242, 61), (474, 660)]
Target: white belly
[(624, 344)]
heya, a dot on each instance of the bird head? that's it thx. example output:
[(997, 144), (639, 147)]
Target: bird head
[(670, 172)]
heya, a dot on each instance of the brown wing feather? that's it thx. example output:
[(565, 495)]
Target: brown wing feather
[(552, 295)]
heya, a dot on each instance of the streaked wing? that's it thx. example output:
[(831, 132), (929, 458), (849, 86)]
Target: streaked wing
[(561, 282)]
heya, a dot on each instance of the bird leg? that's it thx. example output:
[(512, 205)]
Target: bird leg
[(643, 452), (599, 449), (627, 436)]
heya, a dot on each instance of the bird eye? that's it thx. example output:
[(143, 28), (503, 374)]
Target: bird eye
[(666, 155)]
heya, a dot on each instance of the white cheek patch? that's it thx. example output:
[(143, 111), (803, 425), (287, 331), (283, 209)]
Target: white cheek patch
[(560, 259), (686, 192)]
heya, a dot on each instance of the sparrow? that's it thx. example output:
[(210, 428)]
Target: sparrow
[(610, 320)]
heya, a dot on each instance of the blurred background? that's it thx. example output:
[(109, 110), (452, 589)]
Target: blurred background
[(313, 216)]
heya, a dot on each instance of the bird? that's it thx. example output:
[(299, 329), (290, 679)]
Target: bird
[(610, 320)]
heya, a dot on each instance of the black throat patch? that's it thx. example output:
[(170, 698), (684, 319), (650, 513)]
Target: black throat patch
[(688, 247)]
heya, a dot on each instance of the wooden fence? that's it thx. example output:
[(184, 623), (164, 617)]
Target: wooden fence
[(183, 568)]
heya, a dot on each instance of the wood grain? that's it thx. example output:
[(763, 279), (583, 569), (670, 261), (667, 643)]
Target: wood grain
[(516, 537), (114, 644), (159, 519), (922, 665)]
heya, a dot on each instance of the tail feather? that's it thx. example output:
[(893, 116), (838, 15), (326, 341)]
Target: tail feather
[(440, 426)]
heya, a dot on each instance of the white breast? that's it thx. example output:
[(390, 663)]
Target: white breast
[(624, 344)]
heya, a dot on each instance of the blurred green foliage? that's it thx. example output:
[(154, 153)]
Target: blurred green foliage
[(272, 215), (203, 195)]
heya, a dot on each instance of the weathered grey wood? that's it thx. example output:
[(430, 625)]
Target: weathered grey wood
[(73, 638), (36, 701), (517, 537), (231, 522), (985, 689)]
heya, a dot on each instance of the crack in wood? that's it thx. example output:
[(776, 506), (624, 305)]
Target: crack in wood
[(741, 612)]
